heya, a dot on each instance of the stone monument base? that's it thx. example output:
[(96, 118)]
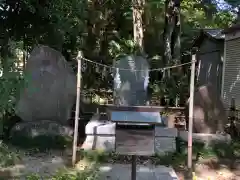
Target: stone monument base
[(41, 134), (100, 135), (206, 139)]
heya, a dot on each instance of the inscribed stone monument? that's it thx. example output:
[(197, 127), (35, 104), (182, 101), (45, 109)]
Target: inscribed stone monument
[(49, 91), (131, 78), (209, 115)]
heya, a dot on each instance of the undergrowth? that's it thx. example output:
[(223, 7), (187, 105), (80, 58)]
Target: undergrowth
[(7, 156), (175, 159), (88, 174)]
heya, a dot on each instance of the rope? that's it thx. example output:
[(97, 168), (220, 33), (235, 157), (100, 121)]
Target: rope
[(123, 69)]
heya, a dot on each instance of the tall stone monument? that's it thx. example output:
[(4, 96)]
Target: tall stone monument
[(209, 114), (48, 94), (131, 78), (50, 90)]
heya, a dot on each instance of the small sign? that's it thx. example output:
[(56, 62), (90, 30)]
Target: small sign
[(135, 140)]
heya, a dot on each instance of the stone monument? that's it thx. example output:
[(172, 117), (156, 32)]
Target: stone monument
[(130, 89), (209, 114), (48, 93), (131, 78)]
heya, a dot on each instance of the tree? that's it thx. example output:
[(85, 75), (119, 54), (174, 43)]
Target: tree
[(138, 10), (172, 32), (235, 6), (91, 25)]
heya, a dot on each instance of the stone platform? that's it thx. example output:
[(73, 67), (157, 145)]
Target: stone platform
[(123, 172), (100, 134), (207, 139)]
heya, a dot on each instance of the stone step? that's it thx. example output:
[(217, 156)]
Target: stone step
[(123, 172)]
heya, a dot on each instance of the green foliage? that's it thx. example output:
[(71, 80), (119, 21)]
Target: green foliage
[(10, 86), (122, 48), (88, 174), (175, 159), (103, 30), (7, 157)]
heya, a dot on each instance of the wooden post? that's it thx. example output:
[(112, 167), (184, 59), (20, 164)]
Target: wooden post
[(190, 124), (75, 138)]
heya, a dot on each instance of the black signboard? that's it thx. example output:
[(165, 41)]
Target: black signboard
[(135, 139)]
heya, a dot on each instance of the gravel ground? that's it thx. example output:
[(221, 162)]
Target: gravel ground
[(48, 163), (44, 164)]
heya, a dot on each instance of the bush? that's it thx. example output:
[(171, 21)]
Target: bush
[(7, 157), (89, 174), (10, 85)]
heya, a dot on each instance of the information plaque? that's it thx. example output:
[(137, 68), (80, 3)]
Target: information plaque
[(134, 140), (135, 130)]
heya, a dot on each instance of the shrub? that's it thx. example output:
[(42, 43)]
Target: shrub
[(10, 85)]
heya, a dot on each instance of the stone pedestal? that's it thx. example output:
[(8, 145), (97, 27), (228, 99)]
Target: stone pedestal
[(101, 135), (41, 134), (207, 139), (209, 114), (165, 139)]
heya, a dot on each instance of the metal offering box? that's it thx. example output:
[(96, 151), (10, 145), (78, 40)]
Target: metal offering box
[(135, 128)]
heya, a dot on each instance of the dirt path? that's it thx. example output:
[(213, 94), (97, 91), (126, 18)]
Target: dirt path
[(213, 170)]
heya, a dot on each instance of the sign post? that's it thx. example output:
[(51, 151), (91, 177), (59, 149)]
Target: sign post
[(134, 167)]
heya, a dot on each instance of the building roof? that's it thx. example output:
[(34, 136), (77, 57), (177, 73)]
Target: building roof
[(214, 34)]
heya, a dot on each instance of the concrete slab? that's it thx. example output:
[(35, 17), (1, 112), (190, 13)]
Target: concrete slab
[(123, 172)]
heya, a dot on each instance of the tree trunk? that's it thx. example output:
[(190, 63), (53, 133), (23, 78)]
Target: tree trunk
[(176, 36), (138, 10), (172, 43), (4, 53), (24, 53), (168, 31)]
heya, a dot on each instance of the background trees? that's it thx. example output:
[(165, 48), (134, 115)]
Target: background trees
[(103, 29)]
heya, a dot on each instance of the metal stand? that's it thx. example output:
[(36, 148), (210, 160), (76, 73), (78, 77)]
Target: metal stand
[(134, 168)]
